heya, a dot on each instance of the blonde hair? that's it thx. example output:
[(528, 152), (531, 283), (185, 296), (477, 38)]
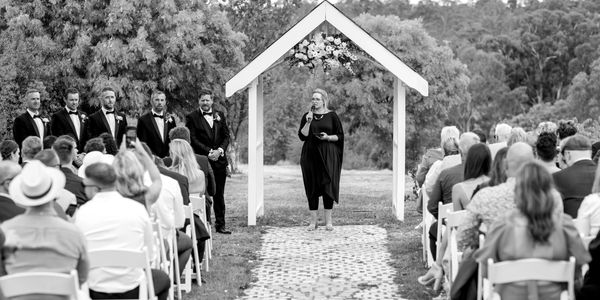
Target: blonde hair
[(449, 133), (184, 160), (324, 95), (130, 175)]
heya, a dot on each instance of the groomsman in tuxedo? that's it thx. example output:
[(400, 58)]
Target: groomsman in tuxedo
[(31, 123), (153, 127), (209, 134), (69, 120), (106, 119)]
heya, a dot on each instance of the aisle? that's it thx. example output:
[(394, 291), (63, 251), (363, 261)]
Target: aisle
[(351, 262)]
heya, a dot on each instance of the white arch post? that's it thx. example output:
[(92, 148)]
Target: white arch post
[(255, 151)]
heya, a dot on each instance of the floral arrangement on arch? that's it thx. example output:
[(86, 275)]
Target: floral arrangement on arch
[(330, 51)]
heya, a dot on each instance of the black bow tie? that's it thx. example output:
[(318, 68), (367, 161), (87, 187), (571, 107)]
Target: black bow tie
[(37, 116), (158, 116), (72, 112), (110, 112), (209, 113)]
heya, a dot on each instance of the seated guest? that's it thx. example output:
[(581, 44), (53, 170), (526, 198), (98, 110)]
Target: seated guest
[(109, 143), (169, 211), (111, 221), (451, 158), (481, 135), (130, 168), (8, 208), (182, 132), (501, 136), (590, 206), (95, 144), (575, 181), (595, 152), (591, 282), (48, 141), (492, 203), (64, 198), (10, 151), (566, 128), (534, 230), (497, 172), (32, 145), (66, 150), (549, 127), (184, 163), (39, 241), (546, 151), (477, 167), (517, 134)]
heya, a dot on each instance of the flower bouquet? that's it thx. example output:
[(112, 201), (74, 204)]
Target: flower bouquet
[(328, 50)]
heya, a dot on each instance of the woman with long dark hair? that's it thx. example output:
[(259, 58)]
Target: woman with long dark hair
[(477, 168), (535, 230)]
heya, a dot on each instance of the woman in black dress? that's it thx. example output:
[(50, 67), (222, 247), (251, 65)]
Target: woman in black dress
[(321, 159)]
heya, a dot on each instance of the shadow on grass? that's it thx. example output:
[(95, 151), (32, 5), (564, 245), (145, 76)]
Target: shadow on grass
[(365, 199)]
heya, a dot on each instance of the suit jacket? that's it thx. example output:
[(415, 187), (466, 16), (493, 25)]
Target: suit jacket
[(205, 138), (61, 124), (8, 208), (209, 175), (97, 125), (147, 131), (574, 183), (24, 126), (183, 183), (74, 184)]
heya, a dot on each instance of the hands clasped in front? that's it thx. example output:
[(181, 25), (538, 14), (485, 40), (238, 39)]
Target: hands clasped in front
[(214, 154)]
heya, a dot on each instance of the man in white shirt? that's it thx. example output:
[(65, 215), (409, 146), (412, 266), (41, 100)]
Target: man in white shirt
[(111, 221)]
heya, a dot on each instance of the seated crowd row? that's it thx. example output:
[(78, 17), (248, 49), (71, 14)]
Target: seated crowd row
[(522, 193), (53, 213)]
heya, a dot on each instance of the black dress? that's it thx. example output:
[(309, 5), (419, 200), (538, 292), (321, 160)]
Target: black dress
[(321, 161)]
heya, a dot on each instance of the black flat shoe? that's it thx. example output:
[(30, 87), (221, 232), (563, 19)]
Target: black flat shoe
[(223, 231)]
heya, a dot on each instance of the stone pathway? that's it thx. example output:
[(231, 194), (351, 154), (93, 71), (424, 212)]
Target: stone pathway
[(351, 262)]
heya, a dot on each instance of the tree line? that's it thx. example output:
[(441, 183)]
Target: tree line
[(485, 61)]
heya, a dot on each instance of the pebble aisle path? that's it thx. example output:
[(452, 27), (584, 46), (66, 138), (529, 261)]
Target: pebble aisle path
[(350, 262)]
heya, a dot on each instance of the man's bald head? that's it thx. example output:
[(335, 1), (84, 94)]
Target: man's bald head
[(518, 154), (465, 142)]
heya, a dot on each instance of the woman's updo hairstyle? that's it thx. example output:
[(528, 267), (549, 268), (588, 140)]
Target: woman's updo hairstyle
[(324, 96)]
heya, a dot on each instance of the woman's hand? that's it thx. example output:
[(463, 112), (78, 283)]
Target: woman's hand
[(323, 136), (309, 116)]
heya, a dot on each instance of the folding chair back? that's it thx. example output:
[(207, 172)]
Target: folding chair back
[(120, 258), (46, 283), (426, 224), (480, 271), (443, 210), (453, 220), (532, 269), (191, 231), (199, 205)]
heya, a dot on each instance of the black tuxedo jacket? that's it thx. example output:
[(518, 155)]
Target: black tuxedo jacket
[(147, 131), (74, 184), (574, 183), (97, 125), (61, 124), (24, 126), (205, 138)]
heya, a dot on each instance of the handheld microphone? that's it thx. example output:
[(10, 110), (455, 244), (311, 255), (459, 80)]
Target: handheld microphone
[(313, 108)]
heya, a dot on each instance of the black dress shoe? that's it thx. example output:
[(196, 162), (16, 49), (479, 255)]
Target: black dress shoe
[(223, 231)]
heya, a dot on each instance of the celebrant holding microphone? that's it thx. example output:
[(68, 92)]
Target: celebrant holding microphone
[(321, 159)]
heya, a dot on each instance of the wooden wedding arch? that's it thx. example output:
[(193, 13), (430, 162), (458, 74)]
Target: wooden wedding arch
[(250, 77)]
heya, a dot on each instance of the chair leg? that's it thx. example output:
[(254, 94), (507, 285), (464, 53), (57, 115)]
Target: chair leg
[(195, 252), (176, 265)]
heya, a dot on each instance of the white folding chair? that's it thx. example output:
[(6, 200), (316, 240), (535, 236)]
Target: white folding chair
[(426, 223), (163, 261), (443, 210), (453, 220), (175, 267), (46, 283), (532, 269), (480, 285), (199, 205), (192, 272), (119, 258)]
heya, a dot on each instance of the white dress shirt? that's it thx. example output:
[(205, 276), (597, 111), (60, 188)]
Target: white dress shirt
[(110, 118), (590, 208), (76, 123), (169, 205), (209, 118), (111, 221), (160, 123), (38, 123)]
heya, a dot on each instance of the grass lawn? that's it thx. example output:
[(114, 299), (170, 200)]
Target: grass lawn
[(365, 198)]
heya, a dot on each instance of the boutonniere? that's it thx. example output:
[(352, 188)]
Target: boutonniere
[(119, 118), (169, 119), (45, 120), (83, 117), (217, 117)]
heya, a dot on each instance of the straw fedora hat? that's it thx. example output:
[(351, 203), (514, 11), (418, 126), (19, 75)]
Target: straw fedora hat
[(36, 185)]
